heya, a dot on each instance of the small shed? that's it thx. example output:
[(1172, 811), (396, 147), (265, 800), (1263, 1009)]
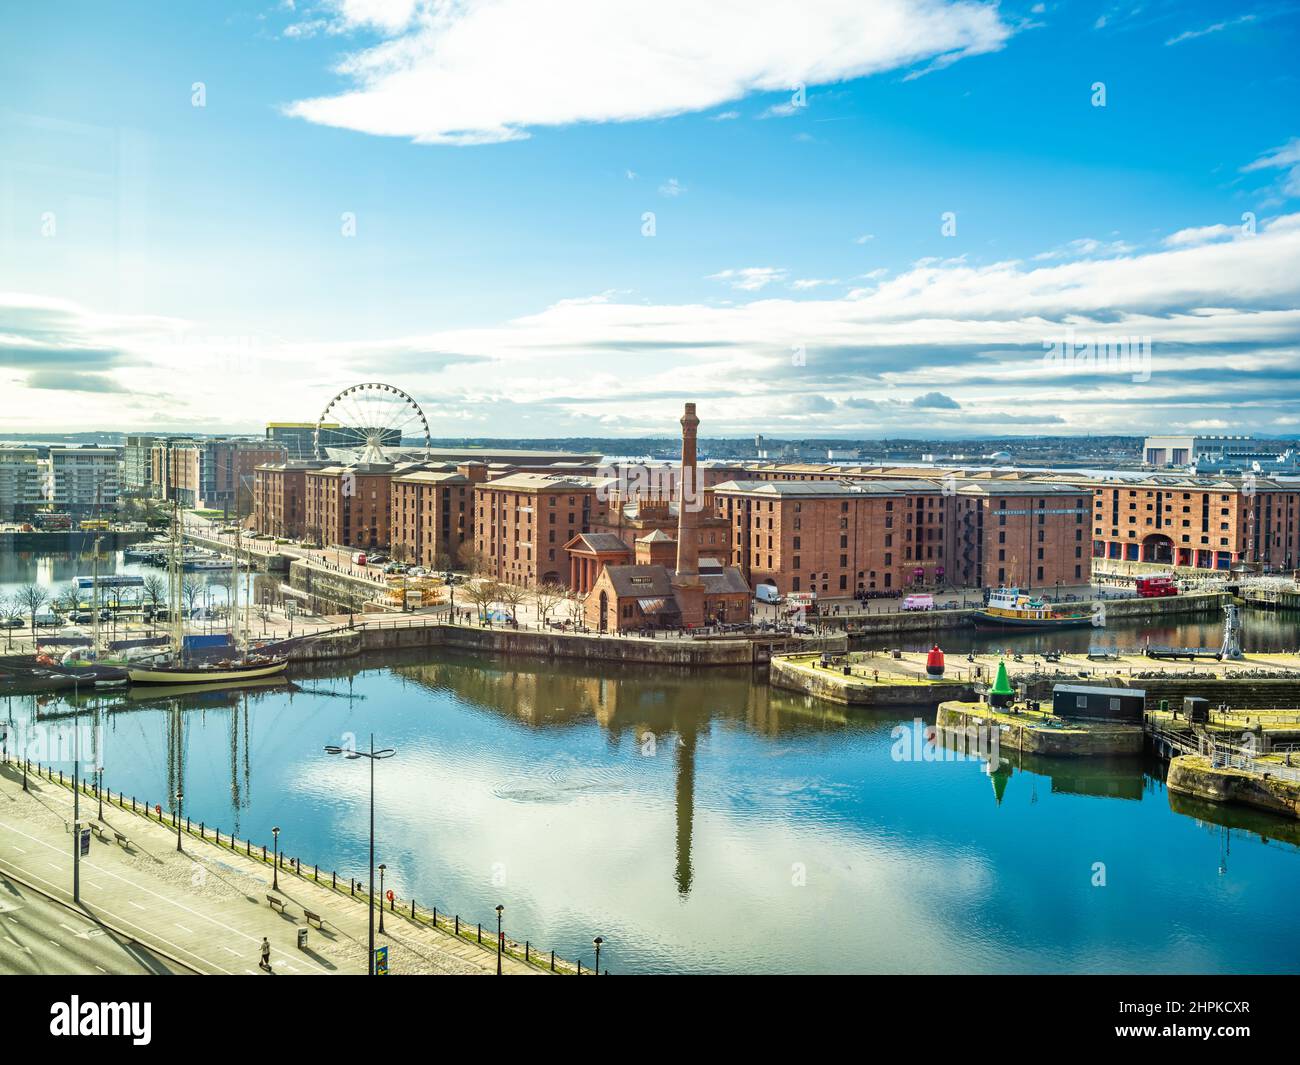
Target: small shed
[(1099, 704)]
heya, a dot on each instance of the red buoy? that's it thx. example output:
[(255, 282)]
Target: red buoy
[(934, 662)]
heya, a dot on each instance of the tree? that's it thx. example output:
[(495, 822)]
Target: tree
[(549, 595), (472, 558), (442, 562), (576, 604), (155, 590), (513, 596), (483, 594), (190, 592), (31, 597), (8, 610), (70, 598)]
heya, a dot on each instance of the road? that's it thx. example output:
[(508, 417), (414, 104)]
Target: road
[(40, 937)]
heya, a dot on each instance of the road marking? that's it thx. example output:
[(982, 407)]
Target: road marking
[(101, 969), (183, 928), (135, 904)]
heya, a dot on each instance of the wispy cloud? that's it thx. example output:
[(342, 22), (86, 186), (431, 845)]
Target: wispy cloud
[(1285, 158), (749, 278), (1191, 35)]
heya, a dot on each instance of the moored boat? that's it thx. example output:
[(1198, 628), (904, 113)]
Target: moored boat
[(1011, 608), (253, 668)]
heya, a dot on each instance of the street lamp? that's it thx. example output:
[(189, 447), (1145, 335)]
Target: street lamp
[(598, 941), (179, 796), (275, 859), (382, 867), (374, 756), (500, 908)]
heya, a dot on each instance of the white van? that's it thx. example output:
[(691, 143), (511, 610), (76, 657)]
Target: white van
[(918, 602), (767, 593)]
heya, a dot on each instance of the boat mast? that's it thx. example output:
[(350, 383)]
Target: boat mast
[(175, 577), (234, 592), (94, 600)]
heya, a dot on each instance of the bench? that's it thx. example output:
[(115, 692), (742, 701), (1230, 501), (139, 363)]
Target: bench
[(276, 903), (98, 829), (122, 839), (313, 917)]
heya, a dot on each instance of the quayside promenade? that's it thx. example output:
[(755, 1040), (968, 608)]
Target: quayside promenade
[(205, 909)]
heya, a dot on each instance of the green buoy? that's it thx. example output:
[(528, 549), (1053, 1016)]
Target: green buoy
[(1001, 693)]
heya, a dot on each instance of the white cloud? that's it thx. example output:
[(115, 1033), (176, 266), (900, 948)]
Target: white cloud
[(1190, 35), (1200, 235), (1085, 248), (671, 187), (725, 116), (804, 283), (481, 71), (864, 238), (1286, 157), (1223, 318), (749, 278)]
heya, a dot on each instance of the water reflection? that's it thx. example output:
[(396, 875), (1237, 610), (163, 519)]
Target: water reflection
[(705, 822)]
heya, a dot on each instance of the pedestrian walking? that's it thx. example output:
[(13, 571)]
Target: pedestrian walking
[(265, 963)]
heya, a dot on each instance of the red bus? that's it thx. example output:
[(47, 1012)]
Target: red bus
[(1155, 587)]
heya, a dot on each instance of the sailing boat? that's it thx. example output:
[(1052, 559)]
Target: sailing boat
[(92, 667), (182, 668)]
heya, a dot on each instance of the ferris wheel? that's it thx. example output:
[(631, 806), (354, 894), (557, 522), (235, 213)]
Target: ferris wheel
[(369, 418)]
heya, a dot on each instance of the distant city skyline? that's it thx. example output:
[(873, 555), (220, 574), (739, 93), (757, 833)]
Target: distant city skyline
[(868, 220)]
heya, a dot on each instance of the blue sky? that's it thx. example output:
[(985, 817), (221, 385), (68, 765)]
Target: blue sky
[(173, 265)]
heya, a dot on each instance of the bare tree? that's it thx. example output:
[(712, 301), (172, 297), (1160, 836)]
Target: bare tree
[(483, 594), (190, 592), (549, 595), (512, 596), (155, 590), (472, 558), (8, 611), (576, 604), (31, 597), (442, 562)]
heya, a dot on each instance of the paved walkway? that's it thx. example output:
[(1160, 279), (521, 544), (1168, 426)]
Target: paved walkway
[(206, 907)]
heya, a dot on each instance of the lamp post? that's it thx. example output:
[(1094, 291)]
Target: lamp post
[(275, 859), (179, 797), (374, 756), (598, 941), (382, 867), (500, 908)]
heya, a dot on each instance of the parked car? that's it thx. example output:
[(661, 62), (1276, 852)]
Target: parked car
[(12, 623), (359, 558), (378, 558), (48, 620)]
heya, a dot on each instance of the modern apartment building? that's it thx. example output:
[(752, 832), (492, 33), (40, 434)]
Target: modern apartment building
[(22, 482), (83, 479)]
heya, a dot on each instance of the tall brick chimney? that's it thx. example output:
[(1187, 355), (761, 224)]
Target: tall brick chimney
[(687, 587)]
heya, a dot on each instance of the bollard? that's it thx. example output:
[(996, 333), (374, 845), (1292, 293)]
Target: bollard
[(526, 958), (480, 933), (352, 887), (60, 777), (334, 881), (413, 909), (263, 852), (133, 804), (248, 847), (552, 961), (458, 924)]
